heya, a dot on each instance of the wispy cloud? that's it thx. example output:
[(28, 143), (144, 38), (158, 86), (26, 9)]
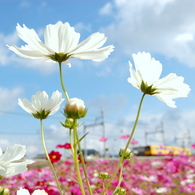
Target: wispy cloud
[(165, 27), (79, 27), (106, 10), (8, 98), (25, 4)]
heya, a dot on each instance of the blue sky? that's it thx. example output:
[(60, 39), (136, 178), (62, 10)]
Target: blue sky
[(166, 29)]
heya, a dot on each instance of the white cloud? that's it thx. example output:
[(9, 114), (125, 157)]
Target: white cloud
[(4, 143), (185, 37), (8, 98), (109, 105), (82, 27), (106, 10), (154, 26), (4, 51), (25, 4), (32, 149)]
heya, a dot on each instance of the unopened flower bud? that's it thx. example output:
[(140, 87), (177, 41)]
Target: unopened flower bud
[(126, 154), (103, 175), (69, 123), (4, 191), (120, 191), (75, 108)]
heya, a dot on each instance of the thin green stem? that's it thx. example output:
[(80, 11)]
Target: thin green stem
[(83, 165), (46, 153), (127, 144), (120, 177), (75, 138), (62, 82), (75, 156)]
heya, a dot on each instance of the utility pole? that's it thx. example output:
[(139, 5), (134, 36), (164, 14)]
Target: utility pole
[(186, 136), (159, 129), (103, 133), (101, 123)]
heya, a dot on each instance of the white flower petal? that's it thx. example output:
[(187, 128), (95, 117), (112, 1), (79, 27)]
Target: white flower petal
[(35, 49), (22, 191), (40, 103), (149, 68), (93, 42), (135, 78), (39, 192), (95, 55), (12, 162), (147, 72), (13, 153), (26, 105), (61, 39), (54, 102), (166, 99), (89, 48), (24, 52)]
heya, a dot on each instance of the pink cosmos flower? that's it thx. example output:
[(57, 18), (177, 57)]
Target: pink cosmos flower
[(193, 146), (133, 142), (103, 139), (124, 137), (65, 146), (162, 147)]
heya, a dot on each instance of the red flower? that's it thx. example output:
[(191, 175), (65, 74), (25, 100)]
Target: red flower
[(80, 160), (65, 146), (54, 156)]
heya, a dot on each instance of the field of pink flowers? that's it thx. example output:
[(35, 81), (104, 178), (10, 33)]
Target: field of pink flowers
[(168, 175)]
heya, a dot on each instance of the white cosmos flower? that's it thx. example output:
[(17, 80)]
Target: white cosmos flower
[(40, 106), (161, 190), (61, 43), (146, 78), (22, 191), (12, 162)]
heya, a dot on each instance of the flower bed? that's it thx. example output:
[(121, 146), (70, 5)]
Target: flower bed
[(168, 175)]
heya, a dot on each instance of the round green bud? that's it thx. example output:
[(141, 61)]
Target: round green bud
[(103, 175), (4, 191), (126, 154), (69, 123), (120, 191)]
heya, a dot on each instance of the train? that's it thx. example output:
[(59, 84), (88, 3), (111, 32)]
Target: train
[(161, 150)]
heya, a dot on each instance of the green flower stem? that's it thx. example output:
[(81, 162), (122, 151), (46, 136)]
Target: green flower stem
[(75, 156), (128, 142), (103, 183), (120, 177), (46, 153), (83, 165), (74, 152), (62, 83)]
